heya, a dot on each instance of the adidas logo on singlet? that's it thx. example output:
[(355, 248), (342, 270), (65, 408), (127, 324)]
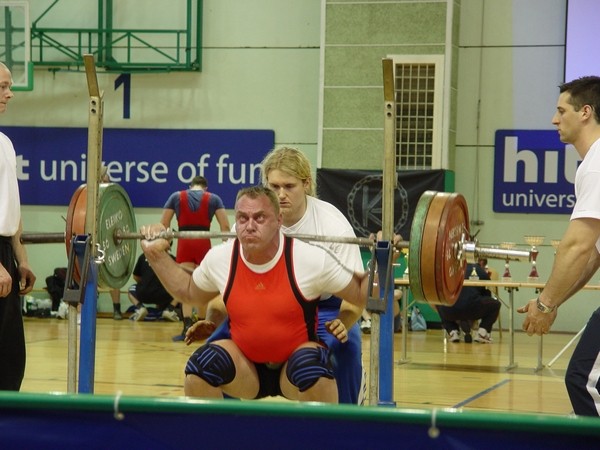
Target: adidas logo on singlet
[(260, 287)]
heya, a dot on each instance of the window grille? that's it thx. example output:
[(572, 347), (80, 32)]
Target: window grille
[(418, 98)]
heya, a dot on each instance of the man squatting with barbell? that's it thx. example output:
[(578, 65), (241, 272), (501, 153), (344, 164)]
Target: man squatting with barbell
[(271, 286), (287, 172)]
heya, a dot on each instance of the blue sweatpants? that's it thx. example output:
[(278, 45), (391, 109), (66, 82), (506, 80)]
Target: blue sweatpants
[(346, 358)]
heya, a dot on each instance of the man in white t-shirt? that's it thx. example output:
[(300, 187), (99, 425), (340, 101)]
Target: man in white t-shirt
[(577, 259), (16, 276)]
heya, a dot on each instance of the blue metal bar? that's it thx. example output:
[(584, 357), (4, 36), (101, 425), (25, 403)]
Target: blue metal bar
[(87, 344), (383, 254)]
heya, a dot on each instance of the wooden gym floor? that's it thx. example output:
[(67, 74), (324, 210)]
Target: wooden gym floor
[(140, 359)]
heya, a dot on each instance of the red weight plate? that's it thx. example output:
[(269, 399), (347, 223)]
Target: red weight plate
[(429, 259), (76, 220), (450, 268)]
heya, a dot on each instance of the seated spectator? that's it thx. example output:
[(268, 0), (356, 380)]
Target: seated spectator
[(149, 290), (473, 303)]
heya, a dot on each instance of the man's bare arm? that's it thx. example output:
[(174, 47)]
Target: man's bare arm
[(176, 279), (167, 217), (575, 262)]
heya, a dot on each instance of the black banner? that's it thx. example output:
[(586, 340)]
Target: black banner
[(358, 194)]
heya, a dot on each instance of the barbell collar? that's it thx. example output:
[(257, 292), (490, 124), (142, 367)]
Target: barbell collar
[(471, 252)]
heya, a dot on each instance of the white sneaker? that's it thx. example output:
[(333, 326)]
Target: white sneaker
[(483, 337), (454, 336), (139, 314), (63, 311), (170, 315)]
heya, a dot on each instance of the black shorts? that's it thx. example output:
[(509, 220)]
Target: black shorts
[(268, 379), (161, 301)]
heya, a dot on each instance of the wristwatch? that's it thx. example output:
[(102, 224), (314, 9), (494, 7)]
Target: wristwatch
[(544, 308)]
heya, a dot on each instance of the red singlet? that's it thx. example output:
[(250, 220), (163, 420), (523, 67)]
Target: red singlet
[(269, 317), (193, 250)]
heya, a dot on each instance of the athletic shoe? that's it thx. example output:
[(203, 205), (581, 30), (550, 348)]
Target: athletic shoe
[(454, 336), (483, 336), (468, 338), (63, 310), (170, 315), (365, 326), (139, 314), (117, 315)]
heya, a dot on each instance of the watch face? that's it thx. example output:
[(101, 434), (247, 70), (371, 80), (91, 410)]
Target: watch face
[(543, 308)]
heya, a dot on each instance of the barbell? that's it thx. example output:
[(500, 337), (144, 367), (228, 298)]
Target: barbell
[(438, 251)]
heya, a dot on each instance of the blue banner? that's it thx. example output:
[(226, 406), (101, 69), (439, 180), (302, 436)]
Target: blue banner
[(150, 164), (534, 172)]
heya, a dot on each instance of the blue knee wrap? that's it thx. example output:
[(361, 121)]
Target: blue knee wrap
[(307, 365), (213, 364)]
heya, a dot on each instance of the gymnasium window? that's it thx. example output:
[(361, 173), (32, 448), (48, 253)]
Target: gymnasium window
[(418, 88)]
